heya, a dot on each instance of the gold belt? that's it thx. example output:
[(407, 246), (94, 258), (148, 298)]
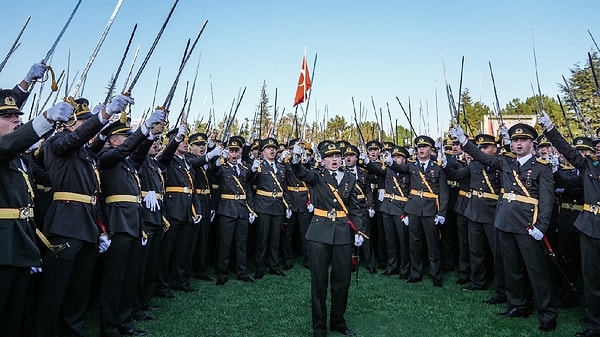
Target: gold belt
[(333, 214), (517, 197), (269, 194), (70, 196), (297, 188), (422, 194), (123, 198), (572, 207), (466, 194), (396, 197), (178, 189), (22, 213), (233, 196), (595, 209), (453, 183), (481, 194), (159, 196), (203, 191)]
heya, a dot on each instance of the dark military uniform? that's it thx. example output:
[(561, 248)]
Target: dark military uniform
[(588, 224), (527, 201), (72, 217), (330, 243), (123, 217)]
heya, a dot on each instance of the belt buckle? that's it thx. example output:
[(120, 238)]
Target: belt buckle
[(469, 194), (275, 194), (236, 197), (332, 214), (93, 200), (420, 194), (594, 209), (24, 213), (186, 190), (203, 191), (392, 196), (296, 189), (511, 197), (139, 199), (480, 194)]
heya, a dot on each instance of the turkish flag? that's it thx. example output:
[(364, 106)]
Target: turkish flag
[(304, 83)]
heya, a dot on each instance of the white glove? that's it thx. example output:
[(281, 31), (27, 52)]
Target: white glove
[(555, 163), (157, 116), (381, 195), (310, 207), (212, 215), (442, 157), (439, 144), (404, 219), (118, 104), (144, 240), (544, 121), (365, 158), (36, 72), (251, 218), (458, 133), (505, 135), (198, 219), (35, 270), (104, 243), (181, 132), (255, 165), (284, 155), (358, 240), (371, 212), (288, 213), (389, 160), (439, 220), (225, 154), (535, 233), (151, 201), (216, 152), (298, 152), (559, 190), (411, 151), (61, 112)]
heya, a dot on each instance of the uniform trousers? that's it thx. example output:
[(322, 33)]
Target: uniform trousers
[(396, 241), (13, 288), (423, 228), (230, 229), (268, 232)]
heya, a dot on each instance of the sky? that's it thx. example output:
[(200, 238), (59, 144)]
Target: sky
[(379, 49)]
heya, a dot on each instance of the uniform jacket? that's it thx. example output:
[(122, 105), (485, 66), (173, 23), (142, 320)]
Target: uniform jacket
[(299, 194), (394, 183), (571, 183), (201, 182), (233, 186), (264, 181)]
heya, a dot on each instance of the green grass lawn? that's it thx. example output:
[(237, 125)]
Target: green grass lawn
[(379, 306)]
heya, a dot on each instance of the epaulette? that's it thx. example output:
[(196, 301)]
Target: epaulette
[(411, 160), (509, 154), (542, 161), (566, 167), (593, 157)]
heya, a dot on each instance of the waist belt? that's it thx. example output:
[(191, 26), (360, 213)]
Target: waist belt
[(595, 209), (486, 195), (43, 188), (203, 191), (466, 194), (297, 188), (159, 196), (269, 194), (178, 189), (123, 198), (396, 197), (22, 213), (70, 196), (333, 214), (521, 198), (453, 183), (572, 207), (423, 194), (233, 197)]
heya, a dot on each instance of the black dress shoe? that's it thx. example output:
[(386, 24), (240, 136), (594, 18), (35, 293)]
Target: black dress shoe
[(133, 332), (153, 307), (437, 283), (258, 276), (277, 272), (388, 273), (513, 312), (167, 294), (345, 331), (185, 288), (221, 281), (588, 333), (495, 300), (472, 287), (288, 267), (204, 277), (403, 276), (414, 279), (462, 281), (245, 278), (143, 318), (547, 326)]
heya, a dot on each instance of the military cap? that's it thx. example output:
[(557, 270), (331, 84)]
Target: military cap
[(483, 139), (269, 142), (81, 108), (399, 151), (239, 138), (309, 152), (584, 143), (350, 150), (387, 146), (117, 128), (373, 144), (8, 103), (522, 130), (255, 144), (292, 142), (281, 148), (329, 149), (595, 141), (323, 143), (542, 140), (198, 138), (424, 141), (342, 144), (234, 143), (448, 143)]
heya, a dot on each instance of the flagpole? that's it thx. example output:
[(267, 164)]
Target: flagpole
[(310, 92)]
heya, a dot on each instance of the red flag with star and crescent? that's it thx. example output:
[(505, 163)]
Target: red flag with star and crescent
[(304, 83)]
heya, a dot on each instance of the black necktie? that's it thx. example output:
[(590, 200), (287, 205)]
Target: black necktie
[(334, 175), (423, 167)]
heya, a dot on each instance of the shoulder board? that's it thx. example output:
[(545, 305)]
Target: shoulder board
[(412, 160), (509, 155), (593, 157), (542, 161), (567, 167)]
